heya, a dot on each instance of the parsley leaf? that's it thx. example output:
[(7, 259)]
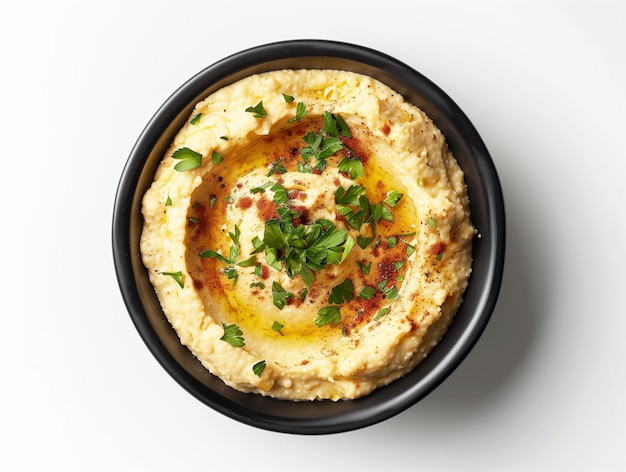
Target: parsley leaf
[(365, 268), (391, 293), (342, 293), (380, 313), (208, 253), (301, 112), (258, 110), (367, 292), (189, 159), (288, 98), (363, 241), (195, 119), (342, 126), (328, 315), (303, 249), (281, 195), (277, 167), (177, 276), (350, 196), (392, 198), (233, 335), (329, 146), (280, 295), (330, 126), (351, 166), (258, 368), (231, 273), (216, 157)]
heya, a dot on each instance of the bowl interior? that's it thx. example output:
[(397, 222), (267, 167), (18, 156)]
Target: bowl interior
[(321, 416)]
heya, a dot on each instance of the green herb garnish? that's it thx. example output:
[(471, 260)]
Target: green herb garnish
[(177, 276), (365, 268), (209, 253), (216, 157), (363, 241), (367, 292), (380, 313), (399, 265), (350, 196), (342, 293), (258, 368), (277, 167), (257, 110), (303, 249), (301, 112), (351, 166), (233, 335), (280, 296), (195, 119), (328, 315), (189, 159), (392, 198)]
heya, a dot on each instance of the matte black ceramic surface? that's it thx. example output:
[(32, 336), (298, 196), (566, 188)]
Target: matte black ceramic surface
[(318, 417)]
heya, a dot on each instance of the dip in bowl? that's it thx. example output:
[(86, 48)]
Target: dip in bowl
[(309, 220)]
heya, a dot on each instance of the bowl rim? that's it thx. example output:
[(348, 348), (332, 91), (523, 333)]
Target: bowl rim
[(265, 412)]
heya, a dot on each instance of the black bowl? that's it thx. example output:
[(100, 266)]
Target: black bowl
[(315, 417)]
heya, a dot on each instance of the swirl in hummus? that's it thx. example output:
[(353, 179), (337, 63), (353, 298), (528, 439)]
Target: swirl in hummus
[(308, 234)]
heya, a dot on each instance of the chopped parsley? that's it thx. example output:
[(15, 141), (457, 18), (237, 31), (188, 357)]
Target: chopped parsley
[(258, 368), (367, 292), (380, 313), (233, 335), (217, 158), (301, 112), (342, 293), (392, 198), (280, 296), (189, 159), (351, 166), (328, 315), (277, 167), (195, 119), (365, 268), (258, 111), (177, 276), (357, 210)]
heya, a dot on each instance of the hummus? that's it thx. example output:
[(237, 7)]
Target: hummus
[(308, 234)]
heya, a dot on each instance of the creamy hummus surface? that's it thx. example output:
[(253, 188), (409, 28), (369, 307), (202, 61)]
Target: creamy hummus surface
[(308, 234)]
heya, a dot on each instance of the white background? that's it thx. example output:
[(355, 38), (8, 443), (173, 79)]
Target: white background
[(544, 84)]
